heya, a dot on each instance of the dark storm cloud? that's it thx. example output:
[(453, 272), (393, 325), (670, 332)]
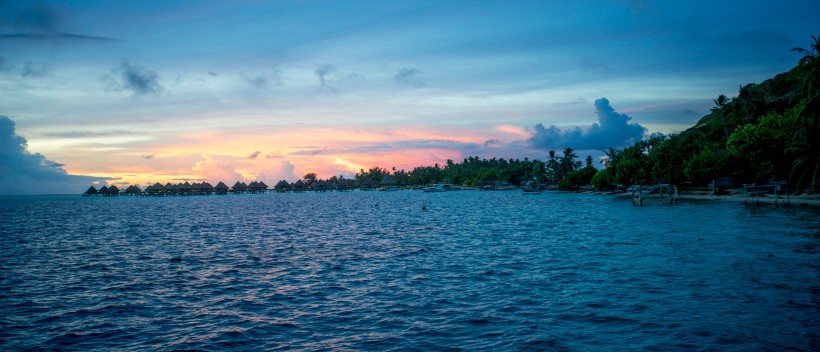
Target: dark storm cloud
[(410, 77), (612, 130), (24, 173), (134, 78)]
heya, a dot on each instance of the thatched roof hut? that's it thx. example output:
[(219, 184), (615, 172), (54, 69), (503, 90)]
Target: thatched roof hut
[(281, 186), (367, 184), (156, 188), (132, 190), (299, 186), (205, 188), (91, 191), (221, 188), (319, 185), (113, 191), (388, 180), (239, 187)]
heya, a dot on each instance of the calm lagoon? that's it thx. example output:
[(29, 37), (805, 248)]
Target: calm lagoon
[(373, 271)]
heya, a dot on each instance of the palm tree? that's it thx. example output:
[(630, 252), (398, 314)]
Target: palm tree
[(553, 166), (811, 61), (720, 102), (611, 157), (807, 138), (568, 163)]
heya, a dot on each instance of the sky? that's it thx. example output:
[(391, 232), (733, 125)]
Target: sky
[(137, 92)]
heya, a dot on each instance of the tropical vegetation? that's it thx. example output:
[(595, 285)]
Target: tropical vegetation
[(769, 131)]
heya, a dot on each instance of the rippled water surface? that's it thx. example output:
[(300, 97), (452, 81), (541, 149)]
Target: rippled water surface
[(373, 271)]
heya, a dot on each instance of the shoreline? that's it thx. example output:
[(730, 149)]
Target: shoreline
[(736, 196)]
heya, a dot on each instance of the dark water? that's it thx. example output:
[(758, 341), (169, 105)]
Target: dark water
[(373, 271)]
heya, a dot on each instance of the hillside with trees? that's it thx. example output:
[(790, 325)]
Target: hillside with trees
[(769, 131)]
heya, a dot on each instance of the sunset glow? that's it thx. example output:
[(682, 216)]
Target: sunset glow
[(141, 93)]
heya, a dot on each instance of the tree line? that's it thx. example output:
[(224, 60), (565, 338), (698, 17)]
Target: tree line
[(769, 131)]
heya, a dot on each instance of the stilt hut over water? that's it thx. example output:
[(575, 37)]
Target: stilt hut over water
[(205, 188), (221, 188), (298, 186), (281, 186), (239, 187), (113, 191), (91, 191), (133, 190)]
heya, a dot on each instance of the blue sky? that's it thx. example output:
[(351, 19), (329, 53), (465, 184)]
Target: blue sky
[(137, 92)]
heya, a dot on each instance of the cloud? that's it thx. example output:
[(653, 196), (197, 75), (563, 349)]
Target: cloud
[(612, 130), (322, 72), (33, 69), (410, 77), (330, 78), (490, 142), (274, 155), (254, 155), (688, 111), (87, 134), (213, 74), (214, 171), (135, 79), (38, 20), (271, 171), (24, 173), (312, 151), (262, 79), (589, 65), (148, 156)]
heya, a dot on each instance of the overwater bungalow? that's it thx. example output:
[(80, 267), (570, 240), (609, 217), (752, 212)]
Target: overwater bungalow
[(133, 190), (282, 186), (205, 188), (239, 187), (298, 186), (91, 191), (157, 189), (113, 191), (368, 184), (221, 188)]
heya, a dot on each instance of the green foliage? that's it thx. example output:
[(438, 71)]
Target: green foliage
[(600, 181), (770, 129), (567, 185), (761, 147), (706, 165), (583, 176)]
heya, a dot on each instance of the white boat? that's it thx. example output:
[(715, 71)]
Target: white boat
[(441, 187)]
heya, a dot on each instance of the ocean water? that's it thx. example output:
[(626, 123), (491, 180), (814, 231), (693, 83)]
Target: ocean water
[(357, 271)]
